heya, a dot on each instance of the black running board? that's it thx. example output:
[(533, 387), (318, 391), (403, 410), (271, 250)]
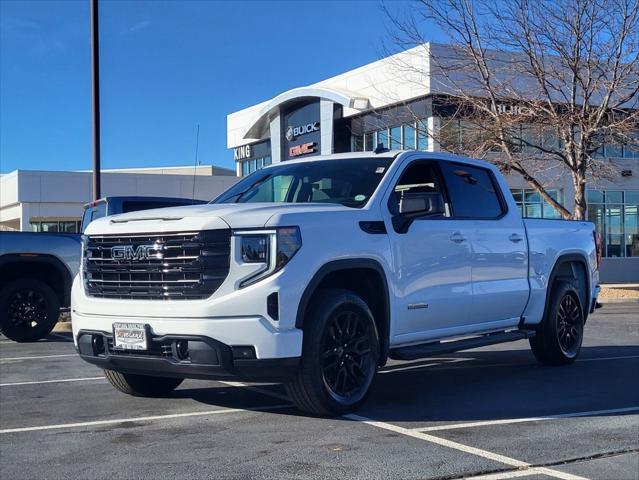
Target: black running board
[(424, 350)]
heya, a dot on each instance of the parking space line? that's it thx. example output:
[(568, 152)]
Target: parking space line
[(138, 419), (508, 421), (256, 389), (37, 357), (523, 473), (411, 366), (596, 359), (496, 457), (62, 380)]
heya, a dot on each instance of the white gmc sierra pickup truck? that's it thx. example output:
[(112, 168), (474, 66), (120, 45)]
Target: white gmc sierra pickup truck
[(315, 272)]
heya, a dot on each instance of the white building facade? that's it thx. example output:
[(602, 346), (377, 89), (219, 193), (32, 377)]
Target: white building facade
[(53, 201), (396, 102)]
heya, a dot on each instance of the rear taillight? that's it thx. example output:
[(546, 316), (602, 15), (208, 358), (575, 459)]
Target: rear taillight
[(598, 248)]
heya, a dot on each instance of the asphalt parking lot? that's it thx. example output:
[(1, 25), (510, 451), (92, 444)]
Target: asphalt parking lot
[(490, 413)]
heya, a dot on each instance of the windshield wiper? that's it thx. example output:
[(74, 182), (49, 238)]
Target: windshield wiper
[(256, 183)]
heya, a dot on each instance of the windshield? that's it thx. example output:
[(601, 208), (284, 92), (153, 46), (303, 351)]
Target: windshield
[(350, 182)]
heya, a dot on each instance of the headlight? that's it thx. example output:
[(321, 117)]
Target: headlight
[(255, 248), (274, 248)]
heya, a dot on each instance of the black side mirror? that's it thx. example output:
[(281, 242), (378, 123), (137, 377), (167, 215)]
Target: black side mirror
[(421, 203), (415, 205)]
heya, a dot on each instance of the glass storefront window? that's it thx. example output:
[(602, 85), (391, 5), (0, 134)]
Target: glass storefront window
[(249, 166), (409, 137), (532, 196), (631, 227), (369, 142), (382, 138), (615, 213), (533, 211), (549, 138), (614, 197), (358, 143), (632, 151), (395, 140), (54, 226), (471, 137), (530, 135), (631, 196), (594, 196), (531, 205), (422, 135), (449, 135)]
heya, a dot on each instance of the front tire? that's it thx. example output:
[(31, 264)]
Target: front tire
[(142, 385), (340, 355), (559, 337), (29, 309)]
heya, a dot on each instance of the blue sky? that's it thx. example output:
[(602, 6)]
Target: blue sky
[(165, 67)]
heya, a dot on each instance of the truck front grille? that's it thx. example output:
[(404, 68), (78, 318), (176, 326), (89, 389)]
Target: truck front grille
[(163, 266)]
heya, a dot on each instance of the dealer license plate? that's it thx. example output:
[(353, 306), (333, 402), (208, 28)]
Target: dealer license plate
[(129, 336)]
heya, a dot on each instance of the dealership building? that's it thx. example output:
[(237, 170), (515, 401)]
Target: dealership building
[(399, 102), (53, 201)]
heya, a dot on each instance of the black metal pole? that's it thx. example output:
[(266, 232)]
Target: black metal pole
[(95, 63)]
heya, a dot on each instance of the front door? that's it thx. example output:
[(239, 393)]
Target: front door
[(432, 262)]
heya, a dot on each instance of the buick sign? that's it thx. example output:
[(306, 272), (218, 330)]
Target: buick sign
[(130, 252), (293, 132)]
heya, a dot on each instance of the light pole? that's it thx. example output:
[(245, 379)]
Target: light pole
[(95, 64)]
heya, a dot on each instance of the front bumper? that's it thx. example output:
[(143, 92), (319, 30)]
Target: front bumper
[(206, 359)]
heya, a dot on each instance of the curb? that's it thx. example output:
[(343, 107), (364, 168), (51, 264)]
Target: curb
[(617, 300), (62, 327)]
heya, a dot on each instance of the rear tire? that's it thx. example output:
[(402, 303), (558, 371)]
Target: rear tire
[(29, 309), (559, 337), (142, 385), (340, 355)]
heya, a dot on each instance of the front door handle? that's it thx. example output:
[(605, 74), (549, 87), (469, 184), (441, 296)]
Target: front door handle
[(515, 238), (457, 237)]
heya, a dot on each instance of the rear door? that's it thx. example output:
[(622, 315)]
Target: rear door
[(498, 241)]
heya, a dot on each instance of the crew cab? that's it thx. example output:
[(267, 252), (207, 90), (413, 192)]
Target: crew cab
[(315, 272)]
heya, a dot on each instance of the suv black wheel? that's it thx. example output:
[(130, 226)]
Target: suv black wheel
[(29, 309), (340, 355), (142, 385), (559, 337)]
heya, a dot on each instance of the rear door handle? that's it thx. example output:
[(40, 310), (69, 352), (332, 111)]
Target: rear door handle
[(515, 238), (457, 237)]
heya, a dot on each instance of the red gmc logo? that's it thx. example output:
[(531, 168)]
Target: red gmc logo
[(302, 149)]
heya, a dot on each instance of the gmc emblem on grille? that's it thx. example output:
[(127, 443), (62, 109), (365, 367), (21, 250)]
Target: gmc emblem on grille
[(131, 252)]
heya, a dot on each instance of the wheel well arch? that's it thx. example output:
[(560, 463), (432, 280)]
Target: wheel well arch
[(571, 267), (366, 278), (46, 268)]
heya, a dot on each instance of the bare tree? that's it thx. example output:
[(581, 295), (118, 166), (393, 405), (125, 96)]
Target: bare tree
[(541, 84)]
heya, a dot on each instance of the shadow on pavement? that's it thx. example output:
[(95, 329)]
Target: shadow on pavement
[(477, 385)]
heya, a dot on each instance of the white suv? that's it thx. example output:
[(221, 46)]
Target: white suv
[(315, 272)]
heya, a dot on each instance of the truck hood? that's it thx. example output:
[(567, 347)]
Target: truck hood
[(204, 217)]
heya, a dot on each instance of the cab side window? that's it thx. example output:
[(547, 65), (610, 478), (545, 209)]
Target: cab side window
[(420, 181), (472, 191)]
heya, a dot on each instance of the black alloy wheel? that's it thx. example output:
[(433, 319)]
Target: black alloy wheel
[(340, 354), (348, 363), (558, 337), (569, 325), (29, 310)]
